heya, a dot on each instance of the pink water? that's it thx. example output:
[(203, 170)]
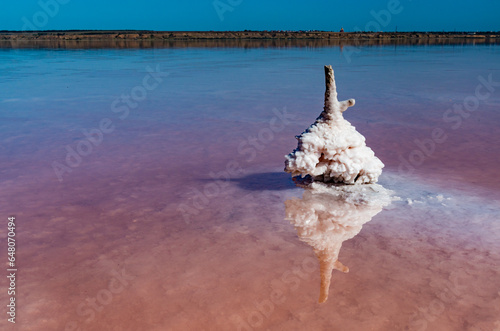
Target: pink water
[(140, 236)]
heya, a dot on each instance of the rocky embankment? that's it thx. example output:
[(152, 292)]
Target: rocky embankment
[(213, 35)]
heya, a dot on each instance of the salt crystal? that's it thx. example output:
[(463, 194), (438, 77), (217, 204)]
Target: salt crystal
[(331, 150)]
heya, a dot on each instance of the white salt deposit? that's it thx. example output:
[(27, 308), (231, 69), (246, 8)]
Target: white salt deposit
[(331, 150)]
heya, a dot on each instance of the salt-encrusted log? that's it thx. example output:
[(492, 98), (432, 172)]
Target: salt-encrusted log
[(331, 150), (332, 105)]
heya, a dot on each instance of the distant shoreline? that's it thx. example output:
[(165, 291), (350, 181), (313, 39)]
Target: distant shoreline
[(239, 35), (238, 39)]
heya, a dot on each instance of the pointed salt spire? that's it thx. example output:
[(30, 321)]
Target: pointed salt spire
[(332, 104), (331, 89), (331, 150)]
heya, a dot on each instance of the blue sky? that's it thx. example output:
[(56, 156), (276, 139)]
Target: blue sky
[(385, 15)]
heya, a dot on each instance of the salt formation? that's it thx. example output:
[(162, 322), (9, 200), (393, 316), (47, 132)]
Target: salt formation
[(326, 216), (331, 150)]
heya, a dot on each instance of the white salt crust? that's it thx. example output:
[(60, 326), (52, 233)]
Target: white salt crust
[(331, 150)]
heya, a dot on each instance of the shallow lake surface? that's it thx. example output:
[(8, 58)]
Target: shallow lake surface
[(149, 192)]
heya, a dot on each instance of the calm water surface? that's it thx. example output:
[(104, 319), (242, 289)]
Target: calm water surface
[(157, 201)]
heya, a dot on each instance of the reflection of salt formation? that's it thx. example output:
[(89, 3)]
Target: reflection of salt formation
[(326, 216), (331, 150)]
